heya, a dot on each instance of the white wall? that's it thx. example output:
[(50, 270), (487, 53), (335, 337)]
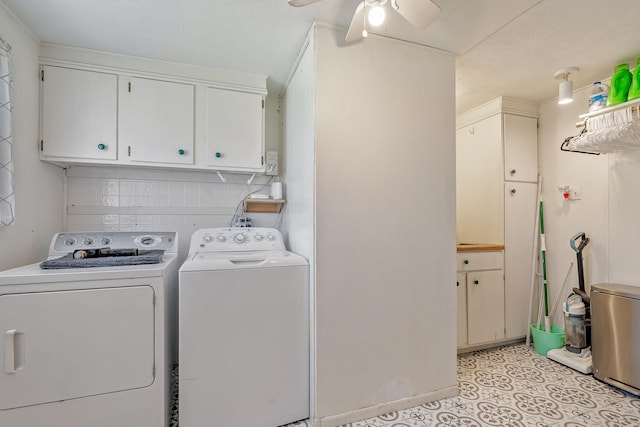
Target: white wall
[(624, 214), (563, 219), (384, 226), (38, 186), (299, 178)]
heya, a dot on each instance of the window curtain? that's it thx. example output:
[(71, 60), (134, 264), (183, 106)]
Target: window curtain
[(7, 195)]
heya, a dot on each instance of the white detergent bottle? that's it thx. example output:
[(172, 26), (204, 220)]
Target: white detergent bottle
[(598, 97)]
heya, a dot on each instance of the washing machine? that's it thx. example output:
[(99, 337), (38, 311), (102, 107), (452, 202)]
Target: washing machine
[(87, 339), (243, 330)]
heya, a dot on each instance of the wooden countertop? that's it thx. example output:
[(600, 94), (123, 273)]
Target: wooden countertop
[(469, 247)]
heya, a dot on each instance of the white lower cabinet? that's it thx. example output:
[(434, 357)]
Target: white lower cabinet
[(461, 289), (481, 299), (485, 306)]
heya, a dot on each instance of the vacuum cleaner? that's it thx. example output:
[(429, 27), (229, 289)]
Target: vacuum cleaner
[(576, 353)]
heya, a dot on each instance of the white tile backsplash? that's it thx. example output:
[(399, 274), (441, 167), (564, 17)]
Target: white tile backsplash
[(183, 205), (192, 194), (162, 189), (127, 188), (126, 201), (110, 201), (110, 187), (111, 220), (176, 194), (91, 191)]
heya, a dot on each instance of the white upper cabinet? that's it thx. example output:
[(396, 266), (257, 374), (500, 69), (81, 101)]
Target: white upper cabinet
[(131, 111), (156, 121), (520, 148), (235, 129), (79, 114), (479, 211)]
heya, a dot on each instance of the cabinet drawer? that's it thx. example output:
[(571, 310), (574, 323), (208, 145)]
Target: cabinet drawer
[(471, 261)]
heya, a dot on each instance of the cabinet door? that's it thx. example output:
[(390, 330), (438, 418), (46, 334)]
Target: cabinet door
[(520, 148), (79, 114), (69, 344), (479, 212), (156, 121), (461, 287), (485, 306), (235, 130), (519, 225)]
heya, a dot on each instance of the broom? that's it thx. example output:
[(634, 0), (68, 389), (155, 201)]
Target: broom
[(543, 256)]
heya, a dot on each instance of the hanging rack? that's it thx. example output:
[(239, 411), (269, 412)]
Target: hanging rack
[(565, 144), (608, 130)]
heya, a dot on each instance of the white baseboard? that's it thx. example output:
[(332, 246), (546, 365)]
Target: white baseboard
[(385, 408)]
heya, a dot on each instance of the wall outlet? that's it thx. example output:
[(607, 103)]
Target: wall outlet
[(575, 192), (272, 163)]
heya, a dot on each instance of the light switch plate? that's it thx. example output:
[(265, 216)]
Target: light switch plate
[(575, 192), (272, 163)]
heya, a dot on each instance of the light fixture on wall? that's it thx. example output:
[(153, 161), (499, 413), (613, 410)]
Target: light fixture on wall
[(565, 90)]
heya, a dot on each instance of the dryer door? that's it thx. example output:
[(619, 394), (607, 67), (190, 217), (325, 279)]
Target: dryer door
[(69, 344)]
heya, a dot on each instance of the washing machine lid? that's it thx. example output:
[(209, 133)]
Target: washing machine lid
[(206, 261), (33, 274)]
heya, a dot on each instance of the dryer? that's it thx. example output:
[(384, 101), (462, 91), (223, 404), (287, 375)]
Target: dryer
[(90, 346), (244, 330)]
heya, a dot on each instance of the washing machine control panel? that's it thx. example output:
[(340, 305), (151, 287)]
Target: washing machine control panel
[(63, 243), (236, 239)]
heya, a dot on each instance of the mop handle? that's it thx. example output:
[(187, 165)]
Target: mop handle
[(543, 249)]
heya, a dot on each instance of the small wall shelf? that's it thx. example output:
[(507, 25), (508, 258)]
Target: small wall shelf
[(608, 130), (263, 205)]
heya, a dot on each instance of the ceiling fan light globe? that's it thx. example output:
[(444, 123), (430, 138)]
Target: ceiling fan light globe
[(376, 15)]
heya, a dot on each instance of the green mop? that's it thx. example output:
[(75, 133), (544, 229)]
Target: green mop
[(543, 252)]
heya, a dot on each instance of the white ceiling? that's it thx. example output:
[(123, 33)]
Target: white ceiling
[(504, 47)]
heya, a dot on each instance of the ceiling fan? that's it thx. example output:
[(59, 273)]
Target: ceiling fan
[(419, 13)]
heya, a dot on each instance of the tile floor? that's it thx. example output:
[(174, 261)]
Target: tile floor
[(513, 386)]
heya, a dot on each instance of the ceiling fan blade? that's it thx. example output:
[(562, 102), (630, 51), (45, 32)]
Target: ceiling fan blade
[(298, 3), (357, 24), (419, 13)]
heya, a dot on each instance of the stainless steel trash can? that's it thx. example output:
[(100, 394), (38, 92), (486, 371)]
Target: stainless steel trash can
[(615, 335)]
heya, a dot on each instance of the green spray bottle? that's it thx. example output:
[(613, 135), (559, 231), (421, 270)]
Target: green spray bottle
[(620, 84), (634, 90)]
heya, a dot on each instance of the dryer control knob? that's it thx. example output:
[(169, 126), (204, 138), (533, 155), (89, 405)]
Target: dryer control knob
[(220, 238), (70, 242), (271, 237), (105, 241), (206, 238), (239, 238), (88, 241), (259, 237)]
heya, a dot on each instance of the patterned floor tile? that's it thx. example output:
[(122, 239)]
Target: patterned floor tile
[(513, 386), (602, 418)]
